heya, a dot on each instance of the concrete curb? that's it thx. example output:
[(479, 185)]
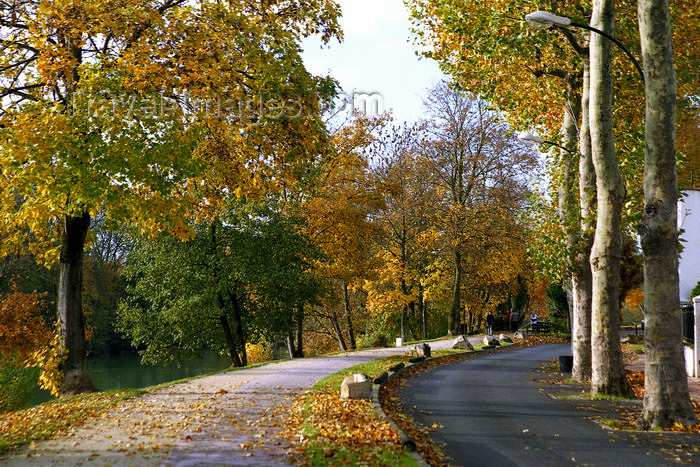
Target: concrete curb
[(406, 441)]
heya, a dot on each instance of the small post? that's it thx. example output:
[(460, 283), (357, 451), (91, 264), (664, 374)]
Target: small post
[(696, 353)]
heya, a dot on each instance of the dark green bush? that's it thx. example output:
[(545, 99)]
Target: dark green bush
[(16, 386)]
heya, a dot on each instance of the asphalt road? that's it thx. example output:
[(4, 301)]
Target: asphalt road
[(489, 411)]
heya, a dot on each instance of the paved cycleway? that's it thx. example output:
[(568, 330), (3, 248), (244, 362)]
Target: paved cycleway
[(489, 411), (234, 418)]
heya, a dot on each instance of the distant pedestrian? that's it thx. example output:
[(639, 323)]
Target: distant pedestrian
[(514, 319), (490, 319), (533, 319)]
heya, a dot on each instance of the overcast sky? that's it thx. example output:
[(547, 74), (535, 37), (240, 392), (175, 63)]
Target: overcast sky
[(376, 56)]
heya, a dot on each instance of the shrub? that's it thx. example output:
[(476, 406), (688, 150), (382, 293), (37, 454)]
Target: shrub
[(258, 353), (16, 385), (379, 334)]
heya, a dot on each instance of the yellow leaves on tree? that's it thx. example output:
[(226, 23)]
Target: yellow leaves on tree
[(338, 216), (635, 298), (25, 339), (257, 353)]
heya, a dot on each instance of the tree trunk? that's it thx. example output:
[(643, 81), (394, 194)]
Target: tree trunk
[(300, 332), (454, 318), (240, 332), (581, 277), (291, 350), (404, 333), (346, 305), (568, 205), (423, 314), (608, 372), (335, 324), (233, 352), (404, 308), (666, 398), (71, 322)]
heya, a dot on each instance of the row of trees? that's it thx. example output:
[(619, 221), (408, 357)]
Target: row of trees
[(405, 229), (562, 84), (396, 230)]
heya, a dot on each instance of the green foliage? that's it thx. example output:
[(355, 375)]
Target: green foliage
[(558, 306), (16, 385), (250, 267), (631, 316), (546, 243), (696, 290), (379, 333)]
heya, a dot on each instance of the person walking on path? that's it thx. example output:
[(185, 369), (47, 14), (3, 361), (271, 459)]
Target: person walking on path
[(514, 319), (489, 324)]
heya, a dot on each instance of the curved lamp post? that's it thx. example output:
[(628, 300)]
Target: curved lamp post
[(527, 136), (546, 20)]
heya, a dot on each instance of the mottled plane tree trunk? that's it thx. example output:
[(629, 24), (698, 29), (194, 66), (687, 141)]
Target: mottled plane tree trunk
[(581, 278), (666, 398), (608, 372)]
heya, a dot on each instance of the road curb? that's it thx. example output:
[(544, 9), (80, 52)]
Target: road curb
[(406, 441)]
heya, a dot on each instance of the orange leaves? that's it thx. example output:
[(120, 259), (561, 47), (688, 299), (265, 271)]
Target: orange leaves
[(336, 424), (25, 338), (22, 330), (635, 298)]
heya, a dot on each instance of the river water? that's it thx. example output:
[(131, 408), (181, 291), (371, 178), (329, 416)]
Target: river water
[(125, 371)]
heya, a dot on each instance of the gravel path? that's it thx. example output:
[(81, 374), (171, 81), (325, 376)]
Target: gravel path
[(234, 418)]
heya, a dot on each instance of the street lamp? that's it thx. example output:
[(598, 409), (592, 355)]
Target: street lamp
[(527, 136), (546, 20)]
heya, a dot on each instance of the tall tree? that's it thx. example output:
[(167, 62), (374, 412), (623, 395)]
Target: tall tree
[(339, 217), (474, 162), (582, 276), (608, 372), (405, 187), (666, 398), (145, 111)]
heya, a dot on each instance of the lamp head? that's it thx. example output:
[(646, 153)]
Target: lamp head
[(545, 20), (527, 136)]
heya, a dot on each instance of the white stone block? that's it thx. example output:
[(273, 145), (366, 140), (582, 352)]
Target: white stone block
[(357, 386)]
